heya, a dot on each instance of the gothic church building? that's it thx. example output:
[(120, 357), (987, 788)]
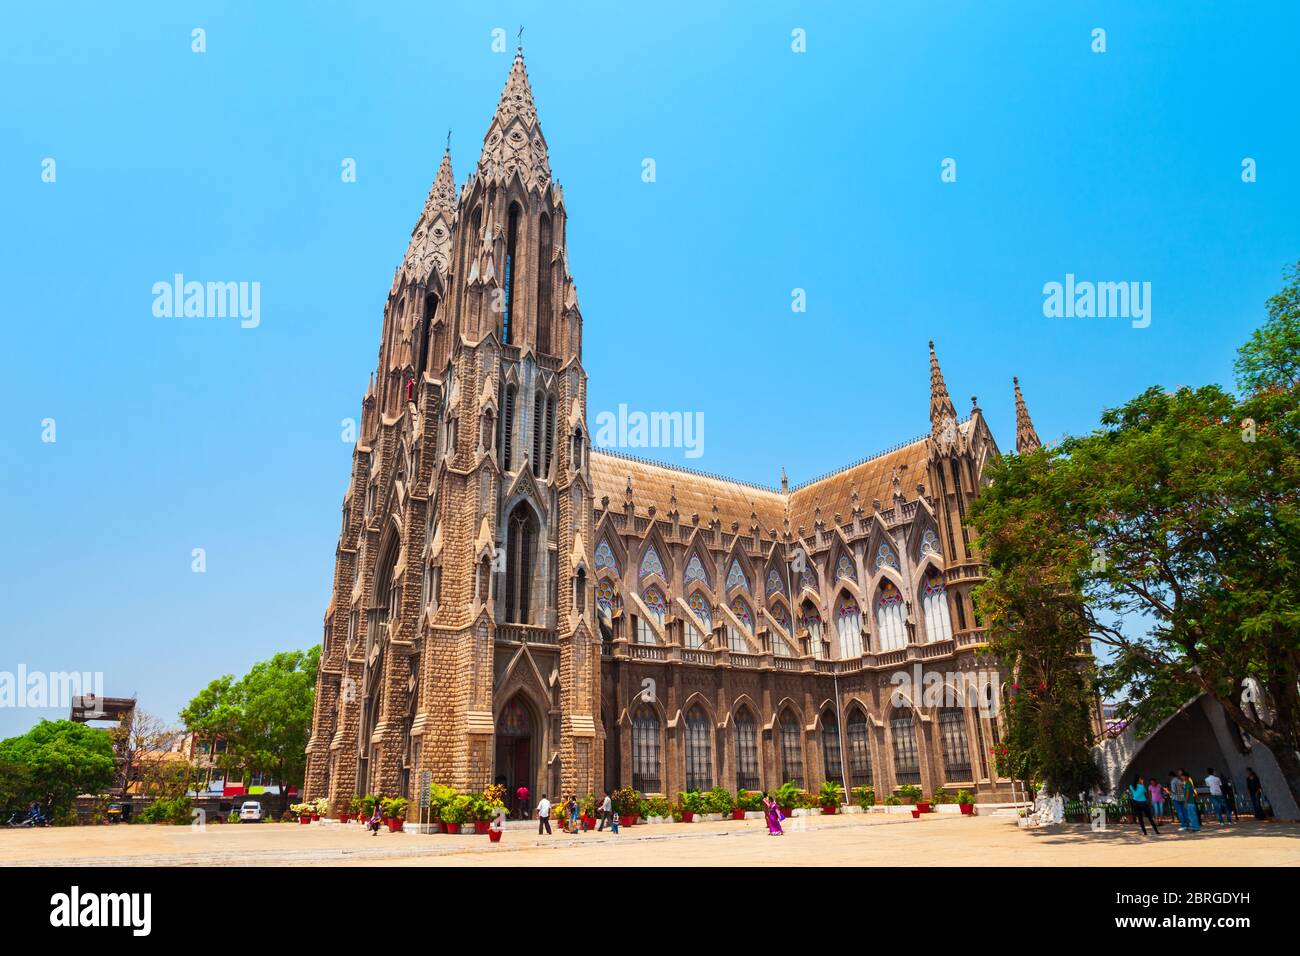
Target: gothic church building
[(510, 605)]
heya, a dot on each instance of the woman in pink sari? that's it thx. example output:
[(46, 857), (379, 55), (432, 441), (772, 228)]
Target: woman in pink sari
[(772, 813)]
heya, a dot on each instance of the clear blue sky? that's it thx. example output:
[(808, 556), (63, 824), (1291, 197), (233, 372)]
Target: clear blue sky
[(775, 170)]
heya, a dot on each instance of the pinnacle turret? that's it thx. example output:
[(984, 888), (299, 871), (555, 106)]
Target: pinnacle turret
[(431, 238), (514, 141), (943, 416), (1026, 438)]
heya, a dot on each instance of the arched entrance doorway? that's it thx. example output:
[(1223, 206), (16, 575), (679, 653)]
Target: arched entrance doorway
[(516, 753)]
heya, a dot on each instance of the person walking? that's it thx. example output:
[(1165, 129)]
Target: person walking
[(521, 802), (772, 813), (1217, 803), (606, 806), (1230, 798), (1256, 790), (1189, 801), (1156, 796), (544, 816), (1178, 800), (575, 814), (1137, 791)]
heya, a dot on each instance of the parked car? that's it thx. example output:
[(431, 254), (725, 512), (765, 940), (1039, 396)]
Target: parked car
[(250, 812)]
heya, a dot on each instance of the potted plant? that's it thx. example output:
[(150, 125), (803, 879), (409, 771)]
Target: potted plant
[(911, 793), (303, 810), (831, 796), (719, 801), (691, 804), (455, 812), (742, 804), (587, 807), (865, 797), (966, 800), (751, 802), (787, 797), (321, 809), (628, 803), (394, 812), (658, 810), (439, 796)]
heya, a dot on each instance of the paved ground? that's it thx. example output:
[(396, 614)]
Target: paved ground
[(873, 839)]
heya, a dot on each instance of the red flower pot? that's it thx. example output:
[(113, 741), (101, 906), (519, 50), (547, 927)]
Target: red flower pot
[(304, 818), (481, 826), (589, 822), (494, 836), (344, 817), (626, 819), (916, 814), (687, 816), (967, 808), (453, 827), (738, 814), (315, 817), (442, 827), (828, 811), (923, 806), (787, 811), (394, 824)]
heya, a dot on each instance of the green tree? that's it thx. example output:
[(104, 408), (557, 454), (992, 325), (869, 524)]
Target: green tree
[(59, 760), (1172, 535), (264, 717)]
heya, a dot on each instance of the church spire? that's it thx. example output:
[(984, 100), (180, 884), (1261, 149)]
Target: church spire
[(431, 238), (943, 416), (514, 141), (1026, 438)]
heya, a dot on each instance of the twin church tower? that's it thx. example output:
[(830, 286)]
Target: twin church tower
[(510, 606)]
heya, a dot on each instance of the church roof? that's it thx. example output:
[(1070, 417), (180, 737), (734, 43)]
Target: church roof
[(872, 477), (514, 141)]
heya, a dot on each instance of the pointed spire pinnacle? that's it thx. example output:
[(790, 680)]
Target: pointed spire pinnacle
[(514, 141), (943, 416), (431, 238), (1026, 438)]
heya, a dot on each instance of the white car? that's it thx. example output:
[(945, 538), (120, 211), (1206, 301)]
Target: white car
[(250, 811)]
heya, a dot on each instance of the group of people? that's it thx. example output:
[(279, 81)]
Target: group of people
[(570, 814), (1151, 800)]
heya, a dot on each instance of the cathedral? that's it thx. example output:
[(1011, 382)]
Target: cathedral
[(511, 605)]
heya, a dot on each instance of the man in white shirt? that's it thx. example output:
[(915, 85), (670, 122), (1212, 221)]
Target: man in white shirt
[(544, 816), (606, 811), (1216, 796)]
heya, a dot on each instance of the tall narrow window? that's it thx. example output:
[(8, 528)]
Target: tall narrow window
[(848, 622), (520, 563), (791, 749), (430, 313), (889, 618), (859, 751), (907, 766), (645, 750), (512, 237), (956, 754), (550, 435), (544, 286), (746, 751), (938, 626), (831, 762), (537, 434), (812, 622), (699, 768), (508, 428)]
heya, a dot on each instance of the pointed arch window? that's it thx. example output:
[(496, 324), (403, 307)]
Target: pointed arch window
[(889, 618), (507, 427), (811, 621), (604, 556), (791, 749), (521, 563), (859, 751), (736, 577), (844, 569), (779, 615), (549, 444), (538, 428), (907, 766), (657, 608), (645, 750), (736, 637), (699, 766), (808, 578), (832, 762), (930, 544), (695, 570), (848, 624), (934, 602), (699, 606), (606, 597), (746, 742), (512, 238), (774, 585), (544, 285), (650, 563), (952, 735)]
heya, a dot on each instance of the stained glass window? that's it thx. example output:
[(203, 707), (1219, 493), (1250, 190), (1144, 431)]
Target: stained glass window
[(606, 597), (741, 610), (735, 638), (774, 585), (605, 557), (514, 720), (779, 615), (695, 570), (930, 544), (889, 618), (736, 577), (700, 605), (938, 625), (808, 579), (844, 568), (654, 601), (650, 563), (848, 623), (885, 557)]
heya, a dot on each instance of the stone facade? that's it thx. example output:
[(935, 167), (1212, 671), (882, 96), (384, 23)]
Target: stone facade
[(511, 606)]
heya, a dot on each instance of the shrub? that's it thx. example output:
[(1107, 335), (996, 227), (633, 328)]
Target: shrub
[(174, 810), (893, 800), (909, 793), (394, 808), (965, 796), (864, 796), (439, 796), (718, 800), (691, 801), (787, 795), (749, 799), (455, 810), (831, 794), (658, 807), (941, 796), (627, 801)]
